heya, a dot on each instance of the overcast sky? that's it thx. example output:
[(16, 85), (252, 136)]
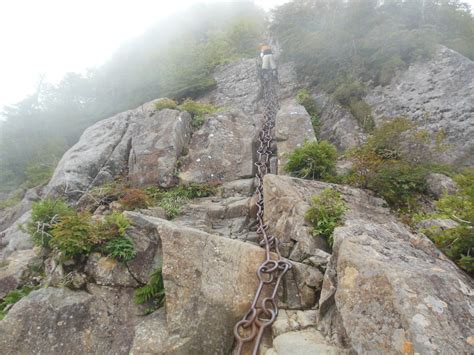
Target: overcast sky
[(53, 37)]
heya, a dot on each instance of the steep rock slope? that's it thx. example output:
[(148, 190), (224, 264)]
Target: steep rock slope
[(437, 95)]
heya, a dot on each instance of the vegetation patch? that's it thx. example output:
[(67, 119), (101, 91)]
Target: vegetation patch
[(13, 297), (325, 213), (172, 200), (314, 160), (56, 226), (395, 162), (305, 99), (153, 293), (458, 242)]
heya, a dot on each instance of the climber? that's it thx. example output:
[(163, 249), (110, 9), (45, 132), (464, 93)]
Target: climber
[(268, 62)]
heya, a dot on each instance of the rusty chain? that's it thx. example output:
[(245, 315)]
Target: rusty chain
[(263, 311)]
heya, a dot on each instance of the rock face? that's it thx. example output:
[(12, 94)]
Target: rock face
[(11, 214), (143, 143), (437, 95), (292, 128), (238, 86), (16, 255), (385, 288), (156, 146), (389, 290), (439, 184), (338, 126), (209, 282), (222, 150), (60, 321)]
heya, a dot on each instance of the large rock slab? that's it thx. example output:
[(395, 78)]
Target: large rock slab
[(221, 150), (143, 142), (238, 86), (156, 146), (388, 290), (338, 126), (209, 283), (286, 202), (437, 94), (292, 128), (60, 321)]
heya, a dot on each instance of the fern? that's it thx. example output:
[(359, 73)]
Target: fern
[(153, 293), (121, 249)]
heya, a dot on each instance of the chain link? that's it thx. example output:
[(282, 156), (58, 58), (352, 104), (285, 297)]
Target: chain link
[(263, 311)]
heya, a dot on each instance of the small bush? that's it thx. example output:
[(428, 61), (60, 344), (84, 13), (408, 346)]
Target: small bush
[(121, 249), (153, 293), (13, 297), (134, 198), (348, 92), (196, 108), (325, 213), (165, 103), (458, 243), (197, 122), (309, 103), (399, 183), (72, 235), (314, 160), (362, 112), (44, 215)]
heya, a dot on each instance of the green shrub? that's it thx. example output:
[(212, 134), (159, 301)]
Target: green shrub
[(121, 249), (153, 293), (44, 215), (73, 235), (399, 183), (458, 243), (362, 112), (13, 297), (348, 92), (165, 103), (314, 160), (305, 99), (325, 213), (196, 108), (197, 122)]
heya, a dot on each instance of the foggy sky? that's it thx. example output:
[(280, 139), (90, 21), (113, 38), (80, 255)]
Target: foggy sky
[(52, 37)]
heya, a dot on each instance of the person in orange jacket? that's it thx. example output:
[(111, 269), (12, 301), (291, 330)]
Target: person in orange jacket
[(268, 62)]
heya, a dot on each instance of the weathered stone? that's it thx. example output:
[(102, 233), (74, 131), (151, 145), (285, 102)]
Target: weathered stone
[(156, 147), (108, 272), (221, 150), (338, 126), (439, 185), (11, 214), (437, 94), (238, 86), (389, 290), (237, 187), (60, 321), (14, 267), (285, 206), (305, 342), (292, 128), (15, 238), (203, 296), (143, 141), (440, 224), (288, 321)]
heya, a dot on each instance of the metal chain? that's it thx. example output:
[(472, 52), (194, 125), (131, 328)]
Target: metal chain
[(263, 311)]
